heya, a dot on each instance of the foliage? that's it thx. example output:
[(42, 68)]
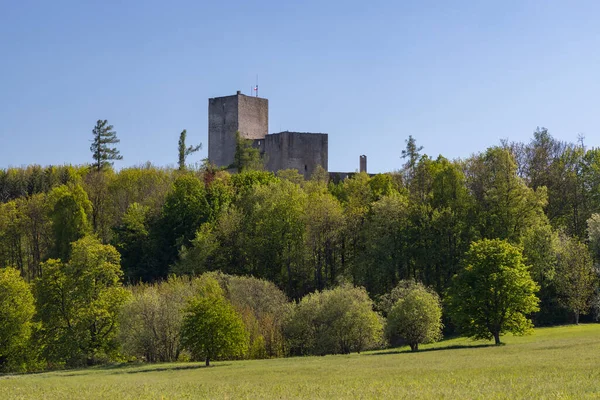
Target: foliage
[(78, 304), (68, 208), (263, 308), (151, 320), (494, 292), (334, 321), (416, 317), (506, 207), (184, 151), (102, 152), (576, 279), (212, 329), (185, 209), (16, 313), (246, 156)]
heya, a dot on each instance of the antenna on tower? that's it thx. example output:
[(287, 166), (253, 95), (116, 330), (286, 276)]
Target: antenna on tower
[(256, 87)]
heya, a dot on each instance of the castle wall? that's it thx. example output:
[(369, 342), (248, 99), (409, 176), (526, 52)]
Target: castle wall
[(253, 115), (295, 150), (230, 114)]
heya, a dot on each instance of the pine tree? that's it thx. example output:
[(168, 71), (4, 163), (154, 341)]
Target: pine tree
[(185, 151), (412, 154), (103, 137)]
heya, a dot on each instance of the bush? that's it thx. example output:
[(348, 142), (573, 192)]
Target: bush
[(334, 321), (416, 317), (263, 307), (151, 320)]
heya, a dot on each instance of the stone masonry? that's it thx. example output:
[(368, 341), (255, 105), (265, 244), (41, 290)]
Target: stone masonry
[(250, 117)]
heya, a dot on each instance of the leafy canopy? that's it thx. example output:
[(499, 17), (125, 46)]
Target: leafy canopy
[(16, 312), (416, 317), (494, 292), (212, 329), (79, 302)]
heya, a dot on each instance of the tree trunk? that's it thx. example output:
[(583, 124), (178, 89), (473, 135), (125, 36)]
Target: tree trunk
[(497, 338), (207, 362), (576, 317), (414, 346)]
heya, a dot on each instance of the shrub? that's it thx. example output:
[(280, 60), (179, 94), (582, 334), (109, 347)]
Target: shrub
[(151, 320), (334, 321)]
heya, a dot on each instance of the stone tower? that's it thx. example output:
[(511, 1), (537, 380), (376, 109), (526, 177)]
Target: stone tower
[(230, 114)]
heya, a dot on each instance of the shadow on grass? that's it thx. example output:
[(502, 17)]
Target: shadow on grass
[(122, 369), (453, 347)]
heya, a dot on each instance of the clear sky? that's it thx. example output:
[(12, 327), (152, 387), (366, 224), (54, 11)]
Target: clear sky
[(457, 75)]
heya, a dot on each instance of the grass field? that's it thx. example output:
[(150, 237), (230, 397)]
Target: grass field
[(553, 363)]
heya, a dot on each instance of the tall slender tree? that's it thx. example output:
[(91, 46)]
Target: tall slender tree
[(185, 151), (102, 152), (412, 155)]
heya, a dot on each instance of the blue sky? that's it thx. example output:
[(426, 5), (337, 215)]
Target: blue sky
[(458, 76)]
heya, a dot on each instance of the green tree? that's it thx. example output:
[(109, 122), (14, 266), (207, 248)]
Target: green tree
[(78, 303), (212, 329), (416, 317), (324, 222), (593, 231), (411, 154), (185, 151), (505, 206), (69, 208), (131, 239), (246, 156), (576, 279), (494, 292), (386, 261), (186, 208), (102, 152), (274, 227), (16, 312)]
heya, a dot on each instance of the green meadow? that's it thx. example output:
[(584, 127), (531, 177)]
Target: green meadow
[(552, 363)]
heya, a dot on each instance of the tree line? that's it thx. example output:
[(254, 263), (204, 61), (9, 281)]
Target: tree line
[(308, 237)]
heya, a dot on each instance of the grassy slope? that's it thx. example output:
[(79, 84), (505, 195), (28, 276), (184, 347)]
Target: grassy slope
[(553, 363)]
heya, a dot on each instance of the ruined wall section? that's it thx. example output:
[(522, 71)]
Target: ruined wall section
[(295, 150)]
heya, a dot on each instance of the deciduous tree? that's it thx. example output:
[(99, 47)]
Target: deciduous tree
[(416, 317), (185, 151), (16, 312), (212, 329), (494, 293), (78, 303), (576, 279)]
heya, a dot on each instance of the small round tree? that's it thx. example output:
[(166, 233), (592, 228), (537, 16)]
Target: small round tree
[(494, 292), (416, 317), (212, 329), (16, 311)]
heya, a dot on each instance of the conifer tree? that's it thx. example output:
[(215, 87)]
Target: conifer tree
[(104, 136)]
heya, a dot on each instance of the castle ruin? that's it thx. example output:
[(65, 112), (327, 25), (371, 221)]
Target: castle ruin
[(250, 117)]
